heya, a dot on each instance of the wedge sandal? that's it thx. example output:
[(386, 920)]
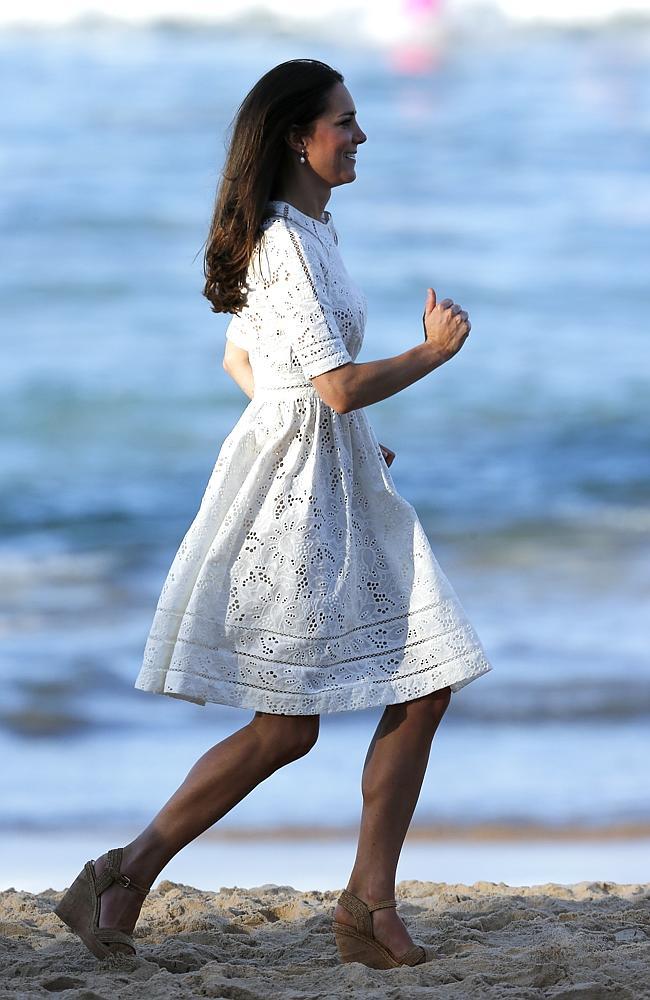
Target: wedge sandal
[(79, 907), (359, 944)]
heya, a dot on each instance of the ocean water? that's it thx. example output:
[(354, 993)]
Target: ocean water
[(510, 173)]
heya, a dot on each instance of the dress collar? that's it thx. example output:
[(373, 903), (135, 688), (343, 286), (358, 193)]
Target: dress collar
[(285, 210)]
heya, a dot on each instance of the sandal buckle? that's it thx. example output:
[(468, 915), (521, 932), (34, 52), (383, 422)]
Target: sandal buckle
[(123, 879)]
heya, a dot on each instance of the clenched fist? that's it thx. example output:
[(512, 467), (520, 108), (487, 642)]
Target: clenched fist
[(446, 324)]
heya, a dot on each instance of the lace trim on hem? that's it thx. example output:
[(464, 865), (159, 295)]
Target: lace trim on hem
[(389, 679), (292, 663), (290, 635)]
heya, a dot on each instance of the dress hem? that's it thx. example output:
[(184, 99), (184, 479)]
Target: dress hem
[(181, 684)]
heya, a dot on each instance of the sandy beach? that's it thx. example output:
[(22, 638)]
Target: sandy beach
[(587, 940)]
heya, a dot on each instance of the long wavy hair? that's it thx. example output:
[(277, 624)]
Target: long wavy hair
[(291, 95)]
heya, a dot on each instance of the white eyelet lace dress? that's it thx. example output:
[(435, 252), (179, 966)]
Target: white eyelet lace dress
[(305, 583)]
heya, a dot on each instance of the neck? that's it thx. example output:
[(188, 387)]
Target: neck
[(302, 194)]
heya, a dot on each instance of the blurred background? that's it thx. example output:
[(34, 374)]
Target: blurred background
[(507, 165)]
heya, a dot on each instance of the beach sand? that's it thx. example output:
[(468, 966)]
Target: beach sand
[(586, 940)]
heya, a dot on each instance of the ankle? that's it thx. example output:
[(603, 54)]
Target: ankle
[(141, 864), (371, 892)]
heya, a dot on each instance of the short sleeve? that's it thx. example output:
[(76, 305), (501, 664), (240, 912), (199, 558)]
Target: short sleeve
[(236, 333), (313, 331)]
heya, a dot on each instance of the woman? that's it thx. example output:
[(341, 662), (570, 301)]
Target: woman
[(306, 583)]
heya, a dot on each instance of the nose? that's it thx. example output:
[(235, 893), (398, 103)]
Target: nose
[(361, 136)]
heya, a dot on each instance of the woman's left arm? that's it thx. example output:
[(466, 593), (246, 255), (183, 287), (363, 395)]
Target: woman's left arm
[(236, 363)]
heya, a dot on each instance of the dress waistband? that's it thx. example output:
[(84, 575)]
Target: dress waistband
[(281, 391)]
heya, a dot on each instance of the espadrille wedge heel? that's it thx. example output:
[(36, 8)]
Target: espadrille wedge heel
[(79, 907), (359, 944)]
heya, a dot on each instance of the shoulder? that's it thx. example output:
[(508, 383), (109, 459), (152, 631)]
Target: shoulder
[(294, 247)]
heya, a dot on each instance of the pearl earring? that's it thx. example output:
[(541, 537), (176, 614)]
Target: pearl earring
[(302, 155)]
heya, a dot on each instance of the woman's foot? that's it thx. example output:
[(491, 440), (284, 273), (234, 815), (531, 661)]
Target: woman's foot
[(387, 925), (119, 907)]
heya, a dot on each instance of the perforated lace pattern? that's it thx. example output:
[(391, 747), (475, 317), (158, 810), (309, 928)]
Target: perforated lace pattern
[(305, 583)]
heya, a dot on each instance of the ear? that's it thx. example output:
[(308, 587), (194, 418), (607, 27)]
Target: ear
[(294, 139)]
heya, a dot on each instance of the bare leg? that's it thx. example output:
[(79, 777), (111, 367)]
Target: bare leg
[(393, 772), (220, 779)]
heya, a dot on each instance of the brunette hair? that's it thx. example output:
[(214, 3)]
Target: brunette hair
[(292, 94)]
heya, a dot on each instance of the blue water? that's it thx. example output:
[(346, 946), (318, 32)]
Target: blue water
[(512, 176)]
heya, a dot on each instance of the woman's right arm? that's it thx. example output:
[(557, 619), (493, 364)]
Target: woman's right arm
[(238, 366), (351, 386)]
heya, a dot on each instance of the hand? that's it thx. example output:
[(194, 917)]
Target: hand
[(387, 453), (446, 324)]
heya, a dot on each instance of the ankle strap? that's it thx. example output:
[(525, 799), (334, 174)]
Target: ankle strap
[(125, 880), (361, 911), (111, 873), (383, 902)]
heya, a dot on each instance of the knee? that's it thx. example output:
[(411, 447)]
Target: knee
[(299, 735), (439, 700), (288, 737), (434, 704)]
